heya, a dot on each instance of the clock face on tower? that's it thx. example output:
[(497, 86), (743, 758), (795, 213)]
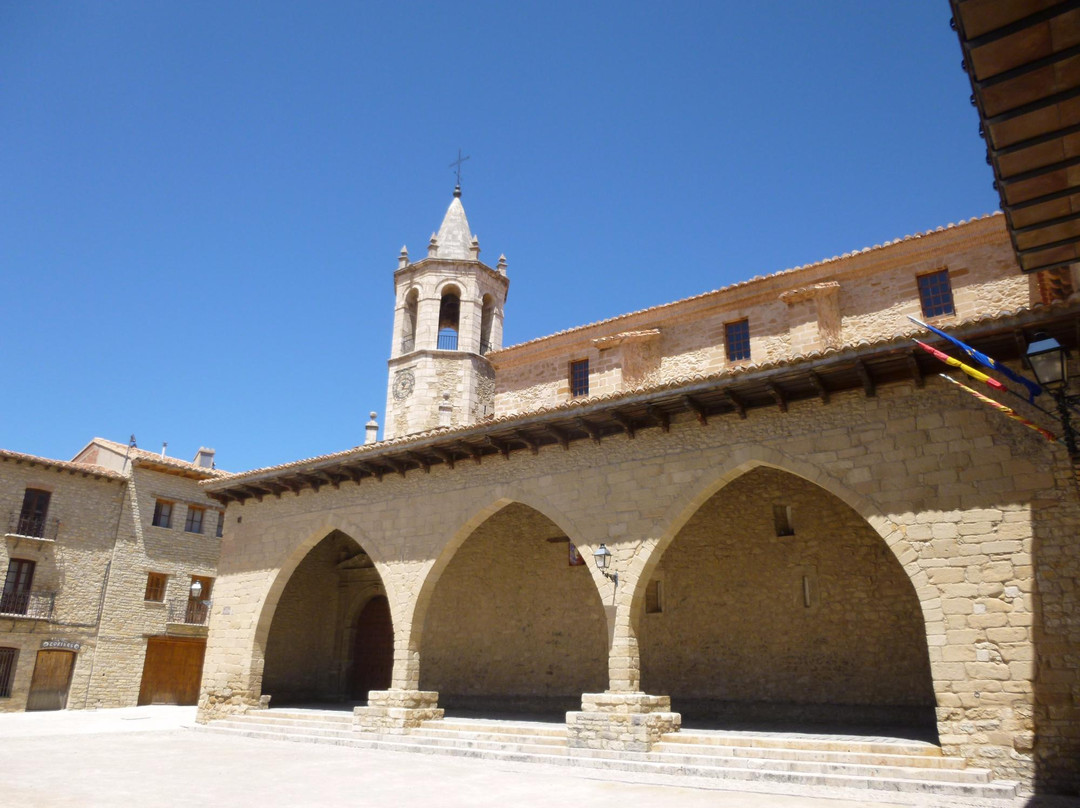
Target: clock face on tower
[(404, 382)]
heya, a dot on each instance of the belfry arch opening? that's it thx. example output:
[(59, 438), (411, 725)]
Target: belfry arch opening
[(512, 627), (778, 604), (487, 316), (331, 639), (449, 316), (408, 325)]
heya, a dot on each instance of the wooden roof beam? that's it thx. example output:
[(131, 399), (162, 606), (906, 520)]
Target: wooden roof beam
[(420, 460), (869, 387), (659, 417), (502, 447), (470, 450), (372, 470), (559, 435), (524, 437), (444, 456), (591, 429), (778, 394), (697, 408), (819, 386), (736, 402), (624, 421), (914, 369), (395, 465)]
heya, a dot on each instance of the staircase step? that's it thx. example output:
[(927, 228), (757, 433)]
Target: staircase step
[(818, 761), (819, 743)]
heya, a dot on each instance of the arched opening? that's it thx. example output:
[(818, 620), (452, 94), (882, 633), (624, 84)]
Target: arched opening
[(331, 637), (512, 627), (449, 315), (777, 603), (487, 314), (408, 325)]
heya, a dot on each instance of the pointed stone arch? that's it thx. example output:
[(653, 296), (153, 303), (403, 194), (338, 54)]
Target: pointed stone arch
[(536, 634), (313, 539), (721, 613)]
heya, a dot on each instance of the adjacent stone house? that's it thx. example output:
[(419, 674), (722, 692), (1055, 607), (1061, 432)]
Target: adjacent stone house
[(805, 523), (100, 555)]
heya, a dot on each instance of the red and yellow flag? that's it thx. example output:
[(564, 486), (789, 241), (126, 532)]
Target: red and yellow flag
[(978, 375), (1008, 412)]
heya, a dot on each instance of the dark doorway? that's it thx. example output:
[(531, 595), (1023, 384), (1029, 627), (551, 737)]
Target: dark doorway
[(373, 649)]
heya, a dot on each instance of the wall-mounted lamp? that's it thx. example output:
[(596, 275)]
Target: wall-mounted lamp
[(1050, 363), (196, 590), (603, 559)]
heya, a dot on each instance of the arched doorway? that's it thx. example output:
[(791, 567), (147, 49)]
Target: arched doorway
[(331, 631), (777, 603), (372, 649), (512, 626)]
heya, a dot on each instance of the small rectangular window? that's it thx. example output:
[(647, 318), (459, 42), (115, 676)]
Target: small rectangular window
[(155, 586), (935, 294), (654, 597), (193, 523), (782, 520), (737, 340), (220, 531), (35, 508), (579, 378), (8, 656), (163, 513)]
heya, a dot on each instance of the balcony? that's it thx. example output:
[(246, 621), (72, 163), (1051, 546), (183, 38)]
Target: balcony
[(447, 341), (33, 605), (32, 527), (188, 617)]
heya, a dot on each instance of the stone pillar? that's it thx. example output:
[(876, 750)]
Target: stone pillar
[(622, 722), (395, 712)]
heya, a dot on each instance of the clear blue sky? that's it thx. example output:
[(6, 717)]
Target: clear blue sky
[(201, 203)]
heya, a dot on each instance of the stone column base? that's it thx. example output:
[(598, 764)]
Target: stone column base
[(395, 712), (622, 722)]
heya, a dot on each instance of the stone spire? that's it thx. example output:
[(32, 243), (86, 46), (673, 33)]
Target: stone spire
[(455, 238)]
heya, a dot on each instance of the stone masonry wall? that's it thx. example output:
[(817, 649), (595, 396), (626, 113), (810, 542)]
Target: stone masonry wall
[(822, 624), (73, 567), (511, 623), (875, 290), (955, 491)]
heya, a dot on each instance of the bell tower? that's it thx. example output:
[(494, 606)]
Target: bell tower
[(448, 313)]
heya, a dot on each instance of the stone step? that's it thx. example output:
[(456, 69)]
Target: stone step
[(866, 780), (812, 755), (493, 737), (817, 743), (332, 716), (472, 725), (281, 721)]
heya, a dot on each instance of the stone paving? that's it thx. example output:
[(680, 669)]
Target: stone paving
[(153, 756)]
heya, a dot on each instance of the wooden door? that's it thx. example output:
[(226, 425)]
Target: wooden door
[(51, 680), (172, 671), (373, 649)]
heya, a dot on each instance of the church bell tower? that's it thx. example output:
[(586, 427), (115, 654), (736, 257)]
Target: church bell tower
[(448, 313)]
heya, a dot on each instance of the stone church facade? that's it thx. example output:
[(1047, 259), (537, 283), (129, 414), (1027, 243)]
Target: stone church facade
[(806, 523)]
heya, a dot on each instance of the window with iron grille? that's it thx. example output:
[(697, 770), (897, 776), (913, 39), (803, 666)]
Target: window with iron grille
[(220, 524), (737, 340), (15, 598), (8, 656), (163, 513), (155, 586), (193, 523), (935, 294), (579, 378), (35, 508)]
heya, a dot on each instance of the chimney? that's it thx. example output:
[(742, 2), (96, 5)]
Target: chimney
[(371, 430), (204, 458)]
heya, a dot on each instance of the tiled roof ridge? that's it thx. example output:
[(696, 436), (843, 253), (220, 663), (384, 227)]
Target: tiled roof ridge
[(68, 465), (675, 383), (748, 281), (145, 454)]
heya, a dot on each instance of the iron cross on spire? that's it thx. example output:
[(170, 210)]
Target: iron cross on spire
[(457, 165)]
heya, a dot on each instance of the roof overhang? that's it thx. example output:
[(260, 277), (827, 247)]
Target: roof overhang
[(863, 368), (1023, 60)]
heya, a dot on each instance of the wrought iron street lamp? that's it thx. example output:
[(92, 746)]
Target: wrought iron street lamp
[(602, 556), (1050, 363)]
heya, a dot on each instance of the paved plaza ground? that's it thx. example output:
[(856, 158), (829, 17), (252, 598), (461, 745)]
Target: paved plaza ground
[(153, 756)]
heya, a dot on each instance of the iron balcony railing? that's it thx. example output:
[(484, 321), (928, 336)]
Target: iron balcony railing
[(34, 604), (447, 342), (34, 527), (190, 612)]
